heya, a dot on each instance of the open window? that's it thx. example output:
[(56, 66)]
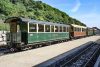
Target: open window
[(52, 28), (67, 29), (56, 28), (40, 28), (32, 27), (47, 28), (60, 28), (64, 29)]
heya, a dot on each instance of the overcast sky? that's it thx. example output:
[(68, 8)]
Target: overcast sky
[(87, 11)]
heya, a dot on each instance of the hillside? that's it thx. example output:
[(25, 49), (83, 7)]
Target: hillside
[(35, 10)]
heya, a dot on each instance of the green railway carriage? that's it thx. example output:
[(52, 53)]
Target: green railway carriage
[(24, 32), (90, 31), (95, 31)]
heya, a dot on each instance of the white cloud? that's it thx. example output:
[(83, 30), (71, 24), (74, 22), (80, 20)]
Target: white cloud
[(76, 7)]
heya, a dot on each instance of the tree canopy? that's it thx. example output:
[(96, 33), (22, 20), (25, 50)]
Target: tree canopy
[(35, 10)]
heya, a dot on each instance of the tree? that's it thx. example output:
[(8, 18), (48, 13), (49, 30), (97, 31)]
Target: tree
[(34, 10)]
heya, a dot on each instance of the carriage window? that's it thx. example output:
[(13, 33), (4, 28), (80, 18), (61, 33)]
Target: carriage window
[(47, 28), (40, 28), (52, 28), (83, 30), (80, 29), (56, 28), (75, 29), (64, 29), (67, 29), (60, 29), (13, 27), (32, 27)]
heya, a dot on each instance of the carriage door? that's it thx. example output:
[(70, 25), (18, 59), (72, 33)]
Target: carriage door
[(24, 33), (13, 32)]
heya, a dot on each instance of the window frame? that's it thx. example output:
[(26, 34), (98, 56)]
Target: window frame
[(43, 28), (52, 28), (63, 29), (57, 28), (29, 28), (60, 28), (67, 29), (49, 28)]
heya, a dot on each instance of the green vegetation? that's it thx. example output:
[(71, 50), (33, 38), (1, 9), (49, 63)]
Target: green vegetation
[(35, 10), (4, 27)]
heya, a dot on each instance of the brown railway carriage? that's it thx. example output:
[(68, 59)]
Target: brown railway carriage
[(78, 31)]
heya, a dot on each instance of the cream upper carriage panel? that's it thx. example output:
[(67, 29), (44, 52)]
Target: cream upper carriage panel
[(78, 26)]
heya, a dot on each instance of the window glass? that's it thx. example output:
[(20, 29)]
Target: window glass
[(40, 28), (75, 29), (64, 29), (80, 29), (84, 30), (47, 28), (32, 27), (52, 28), (67, 29), (56, 28), (13, 27), (60, 28)]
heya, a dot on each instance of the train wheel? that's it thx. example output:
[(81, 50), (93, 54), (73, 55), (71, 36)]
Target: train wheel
[(12, 49)]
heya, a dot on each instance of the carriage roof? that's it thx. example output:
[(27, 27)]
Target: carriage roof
[(78, 26), (24, 20)]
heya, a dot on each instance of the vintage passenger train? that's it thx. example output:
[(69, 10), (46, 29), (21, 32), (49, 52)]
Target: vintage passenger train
[(32, 33)]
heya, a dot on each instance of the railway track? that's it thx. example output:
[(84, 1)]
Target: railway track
[(84, 56)]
